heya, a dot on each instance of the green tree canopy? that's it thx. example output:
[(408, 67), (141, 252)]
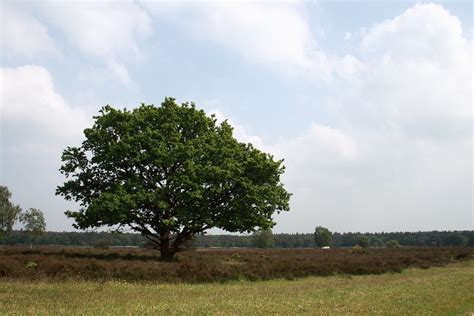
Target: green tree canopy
[(322, 237), (455, 239), (263, 239), (363, 241), (392, 243), (34, 223), (170, 172), (8, 212)]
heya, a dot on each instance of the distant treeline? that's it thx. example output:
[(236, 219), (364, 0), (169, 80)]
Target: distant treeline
[(432, 238), (104, 239)]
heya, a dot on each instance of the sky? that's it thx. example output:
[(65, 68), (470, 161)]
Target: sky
[(369, 103)]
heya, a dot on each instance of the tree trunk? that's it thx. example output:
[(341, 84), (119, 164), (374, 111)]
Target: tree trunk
[(167, 253)]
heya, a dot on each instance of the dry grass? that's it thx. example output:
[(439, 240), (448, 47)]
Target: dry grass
[(441, 291)]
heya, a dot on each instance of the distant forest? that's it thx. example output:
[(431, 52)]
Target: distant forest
[(105, 239)]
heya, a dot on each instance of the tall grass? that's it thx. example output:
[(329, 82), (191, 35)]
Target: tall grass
[(214, 265)]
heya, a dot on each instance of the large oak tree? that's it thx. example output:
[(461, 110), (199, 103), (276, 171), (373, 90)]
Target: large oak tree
[(170, 172)]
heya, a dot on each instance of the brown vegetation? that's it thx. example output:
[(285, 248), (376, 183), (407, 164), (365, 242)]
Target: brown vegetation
[(214, 264)]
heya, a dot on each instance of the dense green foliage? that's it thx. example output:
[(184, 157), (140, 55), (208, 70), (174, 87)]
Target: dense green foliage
[(432, 238), (393, 244), (34, 223), (18, 237), (170, 173), (322, 237), (8, 212), (363, 241), (263, 239)]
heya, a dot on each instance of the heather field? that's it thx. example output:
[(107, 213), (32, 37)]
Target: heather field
[(444, 290), (214, 265)]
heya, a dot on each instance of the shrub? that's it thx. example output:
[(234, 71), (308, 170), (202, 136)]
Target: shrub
[(31, 265), (393, 244), (358, 249), (263, 239), (363, 241)]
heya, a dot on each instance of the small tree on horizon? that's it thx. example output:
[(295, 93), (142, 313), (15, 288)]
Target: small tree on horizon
[(322, 237), (263, 239), (393, 243), (34, 223), (170, 173), (363, 241), (9, 212)]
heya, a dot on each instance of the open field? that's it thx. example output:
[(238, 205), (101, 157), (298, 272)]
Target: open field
[(61, 263), (445, 290)]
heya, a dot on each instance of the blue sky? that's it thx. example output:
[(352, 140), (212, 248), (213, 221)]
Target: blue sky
[(370, 103)]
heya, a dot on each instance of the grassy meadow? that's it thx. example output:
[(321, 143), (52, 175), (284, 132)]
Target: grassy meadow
[(447, 290), (68, 280)]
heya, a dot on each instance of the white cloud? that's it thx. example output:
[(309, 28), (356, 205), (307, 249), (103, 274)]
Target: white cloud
[(399, 153), (102, 29), (269, 33), (28, 98), (320, 144), (423, 32), (108, 31), (36, 125), (408, 108), (23, 35), (415, 74), (265, 33)]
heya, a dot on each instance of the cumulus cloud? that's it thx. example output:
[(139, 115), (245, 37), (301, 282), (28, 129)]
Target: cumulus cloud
[(408, 109), (29, 98), (415, 75), (102, 29), (23, 35), (36, 124), (319, 144), (268, 33), (427, 32), (398, 154), (262, 32), (108, 31)]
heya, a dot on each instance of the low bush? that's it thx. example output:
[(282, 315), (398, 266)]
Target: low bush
[(393, 244), (358, 249)]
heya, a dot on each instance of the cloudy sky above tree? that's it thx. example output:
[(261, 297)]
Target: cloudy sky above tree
[(369, 103)]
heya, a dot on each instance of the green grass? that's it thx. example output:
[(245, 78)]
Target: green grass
[(442, 291)]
